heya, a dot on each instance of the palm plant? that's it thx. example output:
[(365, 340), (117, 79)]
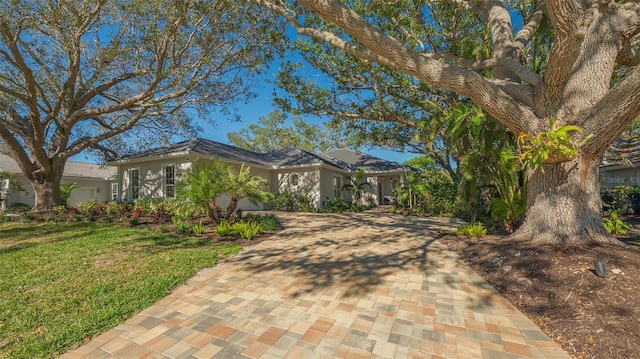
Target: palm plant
[(356, 186), (241, 184), (198, 190)]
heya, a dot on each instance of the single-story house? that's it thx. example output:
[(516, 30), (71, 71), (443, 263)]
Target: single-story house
[(154, 173), (92, 181), (621, 164)]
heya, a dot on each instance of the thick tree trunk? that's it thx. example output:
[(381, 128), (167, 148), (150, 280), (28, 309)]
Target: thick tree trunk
[(47, 191), (563, 204)]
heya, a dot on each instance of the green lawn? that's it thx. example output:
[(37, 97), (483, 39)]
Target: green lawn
[(61, 284)]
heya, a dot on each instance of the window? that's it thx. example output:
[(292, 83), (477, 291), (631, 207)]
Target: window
[(169, 181), (134, 177), (337, 187), (294, 180), (114, 191)]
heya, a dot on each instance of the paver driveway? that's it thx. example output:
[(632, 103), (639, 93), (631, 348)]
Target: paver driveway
[(366, 285)]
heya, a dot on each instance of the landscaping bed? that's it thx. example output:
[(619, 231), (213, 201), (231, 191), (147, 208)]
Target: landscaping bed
[(557, 288)]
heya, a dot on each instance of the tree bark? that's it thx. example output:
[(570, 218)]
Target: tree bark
[(46, 186), (563, 204)]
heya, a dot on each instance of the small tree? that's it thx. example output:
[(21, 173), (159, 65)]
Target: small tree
[(65, 192), (356, 186), (241, 184), (198, 192)]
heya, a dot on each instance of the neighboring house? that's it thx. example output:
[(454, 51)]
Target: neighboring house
[(93, 181), (621, 164), (154, 173)]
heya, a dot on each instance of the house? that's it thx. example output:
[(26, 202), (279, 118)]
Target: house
[(154, 173), (93, 181), (621, 164)]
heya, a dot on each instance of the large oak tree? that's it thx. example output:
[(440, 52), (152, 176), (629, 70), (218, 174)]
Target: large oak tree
[(589, 40), (81, 75)]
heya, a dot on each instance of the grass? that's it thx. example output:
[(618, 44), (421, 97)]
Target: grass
[(61, 284)]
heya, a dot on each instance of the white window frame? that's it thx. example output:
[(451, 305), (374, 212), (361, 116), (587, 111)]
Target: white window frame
[(131, 184), (337, 186), (114, 191), (166, 187)]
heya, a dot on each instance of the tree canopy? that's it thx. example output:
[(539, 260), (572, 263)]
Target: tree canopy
[(572, 61), (100, 74)]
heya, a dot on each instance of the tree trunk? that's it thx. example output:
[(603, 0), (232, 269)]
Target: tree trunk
[(47, 190), (563, 204)]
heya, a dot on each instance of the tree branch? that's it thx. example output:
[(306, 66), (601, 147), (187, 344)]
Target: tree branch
[(499, 104), (524, 35), (622, 103)]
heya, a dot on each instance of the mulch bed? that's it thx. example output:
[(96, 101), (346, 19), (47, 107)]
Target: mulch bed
[(557, 288)]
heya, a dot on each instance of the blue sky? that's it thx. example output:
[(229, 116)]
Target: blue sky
[(262, 105)]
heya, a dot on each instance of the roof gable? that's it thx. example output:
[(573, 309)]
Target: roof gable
[(368, 163)]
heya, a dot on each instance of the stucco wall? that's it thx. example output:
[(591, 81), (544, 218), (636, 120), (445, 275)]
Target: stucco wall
[(87, 190), (308, 181)]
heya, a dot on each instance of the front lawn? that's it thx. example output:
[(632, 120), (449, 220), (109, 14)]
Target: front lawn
[(61, 284)]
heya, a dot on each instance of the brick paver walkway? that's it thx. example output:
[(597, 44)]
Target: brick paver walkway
[(367, 285)]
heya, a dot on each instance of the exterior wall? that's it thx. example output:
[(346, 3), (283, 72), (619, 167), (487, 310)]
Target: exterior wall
[(302, 180), (151, 175), (629, 176), (87, 190), (329, 188)]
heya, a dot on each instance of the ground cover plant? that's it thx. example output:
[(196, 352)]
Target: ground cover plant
[(63, 283)]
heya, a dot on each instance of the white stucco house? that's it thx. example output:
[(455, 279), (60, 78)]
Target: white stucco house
[(93, 181), (154, 173)]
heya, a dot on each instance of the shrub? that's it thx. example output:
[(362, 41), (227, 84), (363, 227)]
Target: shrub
[(336, 205), (247, 230), (615, 225), (269, 222), (291, 201), (87, 208), (115, 208), (56, 219), (475, 229), (224, 228), (198, 229), (59, 209), (182, 227)]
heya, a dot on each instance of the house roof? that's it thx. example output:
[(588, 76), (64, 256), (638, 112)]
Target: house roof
[(368, 163), (295, 157), (204, 147), (344, 159), (623, 151), (71, 169)]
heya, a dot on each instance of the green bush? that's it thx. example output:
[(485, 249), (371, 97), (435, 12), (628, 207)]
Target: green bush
[(198, 229), (59, 209), (291, 201), (475, 229), (269, 222), (224, 228), (18, 207), (115, 208), (615, 225), (87, 208), (247, 230), (182, 227)]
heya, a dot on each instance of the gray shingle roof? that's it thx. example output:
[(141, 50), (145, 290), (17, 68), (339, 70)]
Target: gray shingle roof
[(345, 159), (71, 169), (294, 157), (368, 163), (621, 152), (204, 147)]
